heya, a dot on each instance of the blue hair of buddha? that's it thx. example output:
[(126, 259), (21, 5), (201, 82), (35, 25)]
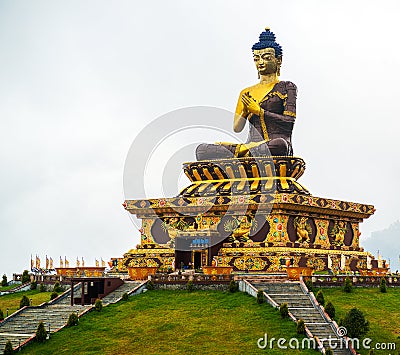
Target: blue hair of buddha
[(267, 40)]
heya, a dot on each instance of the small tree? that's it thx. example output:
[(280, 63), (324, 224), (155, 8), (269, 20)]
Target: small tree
[(125, 297), (33, 285), (42, 288), (190, 286), (320, 298), (355, 323), (98, 305), (330, 309), (41, 334), (57, 287), (309, 285), (8, 350), (284, 310), (301, 327), (25, 277), (382, 286), (233, 286), (24, 302), (328, 351), (348, 286), (150, 285), (260, 296), (1, 315), (4, 282), (72, 320), (53, 295)]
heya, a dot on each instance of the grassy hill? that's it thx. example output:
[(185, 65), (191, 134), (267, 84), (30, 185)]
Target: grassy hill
[(12, 300), (174, 322), (205, 322), (382, 310)]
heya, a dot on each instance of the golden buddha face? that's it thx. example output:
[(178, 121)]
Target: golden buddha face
[(266, 62)]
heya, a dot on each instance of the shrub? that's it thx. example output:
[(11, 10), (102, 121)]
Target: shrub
[(33, 285), (98, 305), (260, 296), (8, 350), (190, 286), (57, 287), (53, 295), (355, 323), (125, 296), (320, 298), (233, 286), (309, 285), (72, 320), (371, 352), (300, 328), (150, 285), (328, 351), (330, 309), (4, 281), (348, 286), (42, 288), (382, 286), (284, 310), (24, 302), (1, 315), (41, 333), (25, 277)]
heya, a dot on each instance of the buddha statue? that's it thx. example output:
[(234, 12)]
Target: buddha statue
[(268, 106)]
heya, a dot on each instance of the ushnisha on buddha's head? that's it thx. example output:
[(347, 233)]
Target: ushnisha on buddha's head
[(267, 54)]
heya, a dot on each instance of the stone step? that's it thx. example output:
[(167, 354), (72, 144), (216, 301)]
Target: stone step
[(301, 307), (55, 314), (126, 287)]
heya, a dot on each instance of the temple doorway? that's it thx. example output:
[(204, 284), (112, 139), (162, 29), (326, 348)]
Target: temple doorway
[(197, 258), (182, 259), (200, 258)]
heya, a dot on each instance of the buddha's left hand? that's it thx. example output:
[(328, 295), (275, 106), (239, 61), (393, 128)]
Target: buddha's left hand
[(250, 104)]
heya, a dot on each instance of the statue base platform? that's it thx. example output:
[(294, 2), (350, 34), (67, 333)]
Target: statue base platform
[(249, 215), (250, 175), (280, 231)]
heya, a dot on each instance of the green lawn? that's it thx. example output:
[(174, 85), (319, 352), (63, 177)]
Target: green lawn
[(382, 310), (12, 300), (9, 287), (174, 322)]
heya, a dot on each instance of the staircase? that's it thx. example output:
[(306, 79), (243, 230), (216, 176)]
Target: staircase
[(302, 306), (128, 287), (22, 325)]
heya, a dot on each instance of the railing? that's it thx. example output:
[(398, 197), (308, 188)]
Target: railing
[(246, 286), (21, 287), (196, 278), (357, 281), (325, 315)]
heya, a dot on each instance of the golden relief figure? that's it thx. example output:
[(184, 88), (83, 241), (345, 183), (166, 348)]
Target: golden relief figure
[(174, 224), (303, 229), (338, 232), (240, 228)]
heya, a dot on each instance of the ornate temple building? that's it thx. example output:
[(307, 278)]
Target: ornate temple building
[(245, 208)]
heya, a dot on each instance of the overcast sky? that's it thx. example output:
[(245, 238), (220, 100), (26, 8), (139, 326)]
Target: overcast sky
[(80, 79)]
